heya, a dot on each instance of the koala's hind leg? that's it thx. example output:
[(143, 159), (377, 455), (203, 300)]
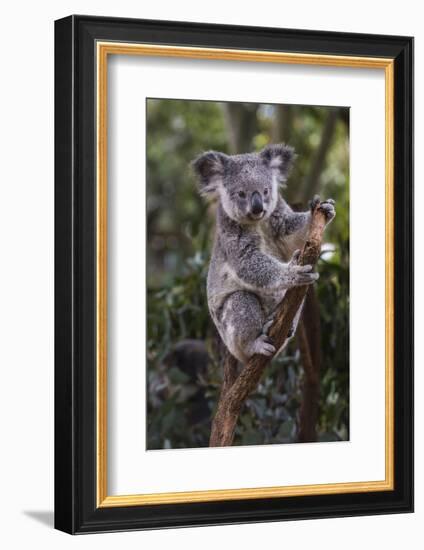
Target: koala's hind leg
[(242, 322)]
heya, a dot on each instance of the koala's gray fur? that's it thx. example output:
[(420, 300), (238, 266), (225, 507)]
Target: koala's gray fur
[(256, 249)]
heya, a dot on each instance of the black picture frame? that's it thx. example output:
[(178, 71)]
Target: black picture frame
[(76, 510)]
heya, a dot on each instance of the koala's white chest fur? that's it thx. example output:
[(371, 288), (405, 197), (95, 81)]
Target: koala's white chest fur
[(270, 245)]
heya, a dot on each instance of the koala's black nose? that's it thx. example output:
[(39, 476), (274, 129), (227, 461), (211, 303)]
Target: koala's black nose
[(256, 203)]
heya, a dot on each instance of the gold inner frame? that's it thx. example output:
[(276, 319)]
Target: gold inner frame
[(103, 50)]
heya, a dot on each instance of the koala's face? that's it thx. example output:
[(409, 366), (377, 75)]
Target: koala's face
[(249, 190), (246, 185)]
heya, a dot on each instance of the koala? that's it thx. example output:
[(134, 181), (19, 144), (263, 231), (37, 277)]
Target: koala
[(256, 247)]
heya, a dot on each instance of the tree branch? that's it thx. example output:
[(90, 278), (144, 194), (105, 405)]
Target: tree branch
[(232, 400), (230, 371)]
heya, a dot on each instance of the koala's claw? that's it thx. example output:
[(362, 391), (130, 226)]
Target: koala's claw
[(330, 201), (328, 208), (306, 278), (263, 346), (314, 202), (267, 325), (303, 268)]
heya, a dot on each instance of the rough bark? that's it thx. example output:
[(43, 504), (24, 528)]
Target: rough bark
[(231, 402), (230, 371)]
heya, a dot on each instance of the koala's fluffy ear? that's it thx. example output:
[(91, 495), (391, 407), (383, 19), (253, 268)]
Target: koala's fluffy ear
[(279, 158), (210, 169)]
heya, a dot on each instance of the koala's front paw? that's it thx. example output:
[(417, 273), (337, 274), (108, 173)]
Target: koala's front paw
[(327, 207), (298, 275), (263, 346)]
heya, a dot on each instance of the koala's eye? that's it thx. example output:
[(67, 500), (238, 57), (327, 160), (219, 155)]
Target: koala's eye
[(242, 194), (266, 191)]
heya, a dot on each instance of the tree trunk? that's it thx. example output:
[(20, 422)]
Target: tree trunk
[(309, 339), (282, 123), (230, 403), (312, 181), (241, 122)]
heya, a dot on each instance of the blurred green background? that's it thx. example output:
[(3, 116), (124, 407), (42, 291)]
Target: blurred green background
[(184, 352)]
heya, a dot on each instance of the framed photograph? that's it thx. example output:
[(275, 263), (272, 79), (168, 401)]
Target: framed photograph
[(233, 266)]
